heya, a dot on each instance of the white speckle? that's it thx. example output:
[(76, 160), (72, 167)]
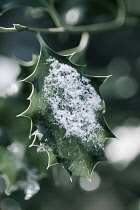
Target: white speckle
[(73, 16), (73, 101), (30, 184), (16, 148), (90, 185), (42, 148), (38, 134), (32, 189)]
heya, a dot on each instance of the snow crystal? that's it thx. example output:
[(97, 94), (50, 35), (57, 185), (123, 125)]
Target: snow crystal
[(73, 101)]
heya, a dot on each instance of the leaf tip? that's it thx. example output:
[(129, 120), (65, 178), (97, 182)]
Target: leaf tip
[(19, 115)]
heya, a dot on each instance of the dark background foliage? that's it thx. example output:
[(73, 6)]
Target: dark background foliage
[(116, 184)]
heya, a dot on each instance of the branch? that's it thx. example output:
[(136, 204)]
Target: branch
[(91, 29), (19, 28), (121, 21)]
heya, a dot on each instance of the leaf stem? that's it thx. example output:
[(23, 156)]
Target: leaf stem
[(55, 15), (50, 9)]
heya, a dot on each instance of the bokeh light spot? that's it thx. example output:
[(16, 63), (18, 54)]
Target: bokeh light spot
[(123, 150), (72, 16), (34, 12), (9, 72), (119, 67), (90, 186), (126, 87)]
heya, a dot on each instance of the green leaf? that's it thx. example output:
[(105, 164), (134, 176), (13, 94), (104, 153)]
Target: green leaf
[(65, 122)]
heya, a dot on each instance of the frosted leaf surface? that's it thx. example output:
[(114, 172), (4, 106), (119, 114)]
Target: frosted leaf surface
[(73, 101), (66, 113)]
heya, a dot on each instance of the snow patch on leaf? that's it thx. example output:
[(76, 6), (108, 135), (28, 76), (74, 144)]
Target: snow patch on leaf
[(74, 102)]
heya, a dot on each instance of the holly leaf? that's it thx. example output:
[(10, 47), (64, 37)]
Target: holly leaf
[(66, 111)]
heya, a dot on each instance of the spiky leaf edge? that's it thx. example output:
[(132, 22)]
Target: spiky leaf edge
[(96, 80)]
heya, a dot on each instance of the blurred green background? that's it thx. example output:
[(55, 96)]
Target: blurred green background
[(115, 184)]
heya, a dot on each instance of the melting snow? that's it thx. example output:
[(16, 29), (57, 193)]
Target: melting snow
[(73, 101)]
